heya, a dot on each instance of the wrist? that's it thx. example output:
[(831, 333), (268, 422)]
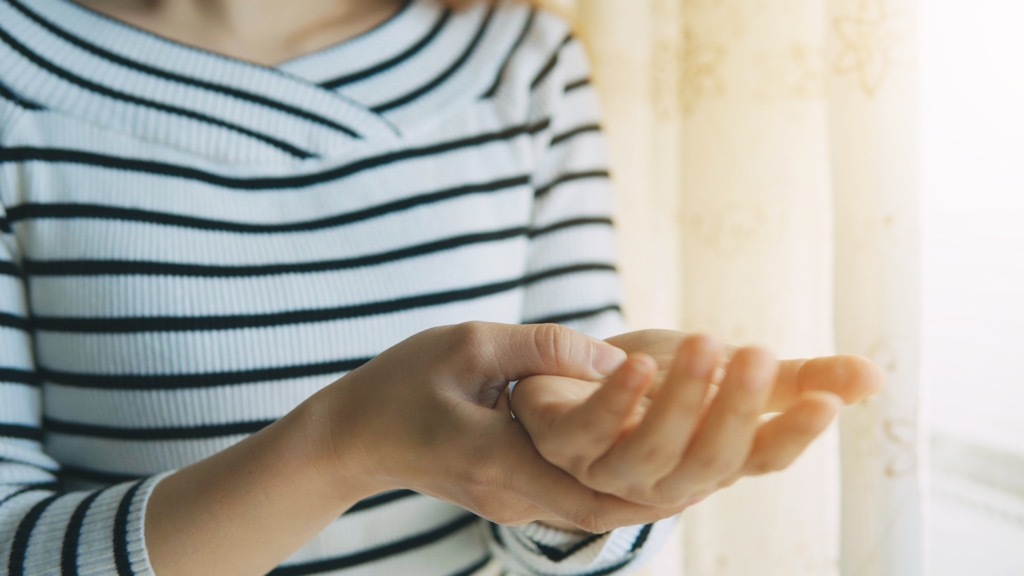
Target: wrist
[(332, 430)]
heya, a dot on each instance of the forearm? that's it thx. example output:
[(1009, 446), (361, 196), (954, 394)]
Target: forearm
[(247, 508)]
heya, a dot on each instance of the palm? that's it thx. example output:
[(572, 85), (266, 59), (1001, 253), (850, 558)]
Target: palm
[(685, 416)]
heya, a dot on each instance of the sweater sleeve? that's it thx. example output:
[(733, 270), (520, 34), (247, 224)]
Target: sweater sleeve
[(43, 529), (572, 281), (571, 262)]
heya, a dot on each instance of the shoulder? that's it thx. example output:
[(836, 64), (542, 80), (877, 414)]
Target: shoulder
[(17, 127), (11, 105), (540, 56)]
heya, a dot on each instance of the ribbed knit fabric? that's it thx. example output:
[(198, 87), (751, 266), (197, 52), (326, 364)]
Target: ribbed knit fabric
[(191, 245)]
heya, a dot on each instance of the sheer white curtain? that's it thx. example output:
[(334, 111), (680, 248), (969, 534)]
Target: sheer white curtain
[(767, 169)]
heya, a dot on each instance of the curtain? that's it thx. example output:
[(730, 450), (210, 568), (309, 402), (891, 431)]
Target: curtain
[(766, 167)]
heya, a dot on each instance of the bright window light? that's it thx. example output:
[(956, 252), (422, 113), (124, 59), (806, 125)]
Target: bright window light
[(973, 209)]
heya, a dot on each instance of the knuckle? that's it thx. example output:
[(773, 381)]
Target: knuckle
[(757, 355), (657, 455), (754, 362), (585, 515), (470, 335), (602, 524), (701, 346), (597, 482), (589, 520), (472, 342), (641, 493), (559, 455), (554, 343), (705, 462), (610, 477), (579, 465)]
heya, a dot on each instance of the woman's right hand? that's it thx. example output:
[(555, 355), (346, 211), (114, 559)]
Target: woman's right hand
[(427, 415), (430, 414)]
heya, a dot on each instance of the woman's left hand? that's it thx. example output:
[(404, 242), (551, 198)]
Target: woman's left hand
[(685, 416)]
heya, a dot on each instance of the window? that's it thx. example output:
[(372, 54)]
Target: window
[(973, 210)]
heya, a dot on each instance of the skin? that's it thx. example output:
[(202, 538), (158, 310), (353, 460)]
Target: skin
[(430, 414), (425, 415), (264, 32), (685, 416)]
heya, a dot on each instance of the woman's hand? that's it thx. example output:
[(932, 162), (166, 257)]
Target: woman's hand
[(671, 441), (430, 415)]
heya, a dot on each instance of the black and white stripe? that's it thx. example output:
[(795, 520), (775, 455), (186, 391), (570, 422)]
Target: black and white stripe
[(192, 245), (357, 76)]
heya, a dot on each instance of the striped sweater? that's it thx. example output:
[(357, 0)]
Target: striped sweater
[(191, 245)]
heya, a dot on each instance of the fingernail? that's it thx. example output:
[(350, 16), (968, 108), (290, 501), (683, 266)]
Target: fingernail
[(607, 359)]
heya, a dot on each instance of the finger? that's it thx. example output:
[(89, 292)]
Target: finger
[(535, 480), (658, 344), (662, 345), (781, 440), (593, 428), (496, 354), (652, 450), (572, 431), (555, 350), (723, 440), (540, 402), (852, 378)]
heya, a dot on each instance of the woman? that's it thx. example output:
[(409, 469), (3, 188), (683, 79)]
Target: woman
[(214, 214)]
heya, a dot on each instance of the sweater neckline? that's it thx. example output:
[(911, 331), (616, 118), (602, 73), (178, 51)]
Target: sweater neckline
[(103, 54)]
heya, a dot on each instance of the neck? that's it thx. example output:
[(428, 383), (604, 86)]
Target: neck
[(267, 32)]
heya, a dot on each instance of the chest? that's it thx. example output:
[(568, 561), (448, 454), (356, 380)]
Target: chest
[(139, 269)]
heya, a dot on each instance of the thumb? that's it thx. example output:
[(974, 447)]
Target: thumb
[(554, 350)]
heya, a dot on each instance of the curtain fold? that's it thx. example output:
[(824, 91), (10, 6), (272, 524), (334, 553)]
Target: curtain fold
[(874, 96), (765, 159)]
